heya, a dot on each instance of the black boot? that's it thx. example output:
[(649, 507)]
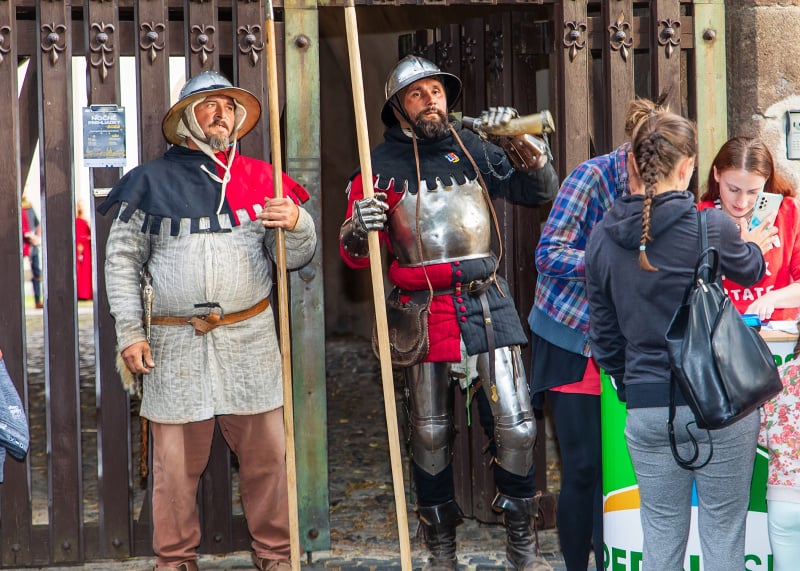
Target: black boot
[(522, 547), (439, 528)]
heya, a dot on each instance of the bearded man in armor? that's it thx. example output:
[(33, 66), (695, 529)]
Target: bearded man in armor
[(433, 181)]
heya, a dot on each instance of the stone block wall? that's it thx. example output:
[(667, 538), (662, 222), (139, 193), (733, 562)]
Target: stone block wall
[(764, 72)]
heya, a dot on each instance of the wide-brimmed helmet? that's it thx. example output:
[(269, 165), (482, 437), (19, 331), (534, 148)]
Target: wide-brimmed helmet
[(408, 70), (204, 85)]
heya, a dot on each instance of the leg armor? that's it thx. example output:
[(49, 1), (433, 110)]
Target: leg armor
[(430, 401), (514, 427)]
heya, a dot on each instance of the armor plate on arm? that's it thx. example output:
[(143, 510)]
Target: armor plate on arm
[(454, 224)]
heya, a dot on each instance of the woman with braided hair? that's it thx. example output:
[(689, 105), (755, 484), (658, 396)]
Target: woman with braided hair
[(639, 262)]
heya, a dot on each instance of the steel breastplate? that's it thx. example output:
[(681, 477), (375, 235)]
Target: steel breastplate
[(454, 224)]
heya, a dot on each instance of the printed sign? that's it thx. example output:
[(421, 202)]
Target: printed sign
[(104, 136)]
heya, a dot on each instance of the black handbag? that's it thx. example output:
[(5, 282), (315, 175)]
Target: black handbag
[(723, 367)]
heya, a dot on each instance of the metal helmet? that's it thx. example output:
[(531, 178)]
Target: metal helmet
[(410, 69), (201, 86)]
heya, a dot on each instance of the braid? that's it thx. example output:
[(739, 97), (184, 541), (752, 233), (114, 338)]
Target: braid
[(648, 162), (660, 141)]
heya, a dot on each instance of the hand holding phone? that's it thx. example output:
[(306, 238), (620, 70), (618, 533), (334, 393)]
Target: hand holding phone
[(767, 204)]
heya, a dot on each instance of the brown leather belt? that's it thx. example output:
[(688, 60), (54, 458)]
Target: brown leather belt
[(204, 323)]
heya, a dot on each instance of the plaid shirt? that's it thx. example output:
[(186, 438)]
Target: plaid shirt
[(560, 312)]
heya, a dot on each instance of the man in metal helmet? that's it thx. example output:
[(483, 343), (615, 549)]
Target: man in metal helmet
[(198, 225), (433, 183)]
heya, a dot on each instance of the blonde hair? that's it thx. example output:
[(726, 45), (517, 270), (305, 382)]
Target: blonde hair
[(640, 109), (659, 143)]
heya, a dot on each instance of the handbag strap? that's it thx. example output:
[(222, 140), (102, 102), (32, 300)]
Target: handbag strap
[(705, 269)]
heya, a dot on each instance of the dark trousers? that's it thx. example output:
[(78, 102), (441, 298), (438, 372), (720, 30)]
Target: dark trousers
[(580, 505), (36, 273)]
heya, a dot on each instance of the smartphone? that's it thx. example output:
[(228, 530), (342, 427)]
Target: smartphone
[(766, 205)]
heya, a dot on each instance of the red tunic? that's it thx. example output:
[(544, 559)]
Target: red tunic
[(443, 332)]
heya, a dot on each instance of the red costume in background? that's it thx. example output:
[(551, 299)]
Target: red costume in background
[(83, 258)]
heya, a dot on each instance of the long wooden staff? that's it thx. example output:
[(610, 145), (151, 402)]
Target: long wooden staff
[(376, 270), (283, 292)]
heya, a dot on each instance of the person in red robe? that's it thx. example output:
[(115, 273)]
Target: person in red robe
[(83, 253)]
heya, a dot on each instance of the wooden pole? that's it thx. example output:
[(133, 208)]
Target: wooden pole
[(283, 292), (377, 286)]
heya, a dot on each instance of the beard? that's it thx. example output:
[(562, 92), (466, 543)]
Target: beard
[(427, 127), (218, 143)]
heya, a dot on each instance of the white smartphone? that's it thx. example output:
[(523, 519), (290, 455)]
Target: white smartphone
[(766, 205)]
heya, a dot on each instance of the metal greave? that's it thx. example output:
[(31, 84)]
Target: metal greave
[(514, 426), (431, 412), (431, 415)]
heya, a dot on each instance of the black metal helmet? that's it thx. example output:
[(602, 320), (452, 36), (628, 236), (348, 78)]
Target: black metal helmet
[(204, 85), (408, 70)]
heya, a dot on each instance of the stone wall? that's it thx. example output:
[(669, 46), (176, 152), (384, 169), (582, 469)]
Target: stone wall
[(764, 73)]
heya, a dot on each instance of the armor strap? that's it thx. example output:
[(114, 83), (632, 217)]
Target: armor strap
[(490, 342), (488, 204), (416, 220)]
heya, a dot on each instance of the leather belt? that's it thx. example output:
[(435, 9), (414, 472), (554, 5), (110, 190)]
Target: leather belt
[(204, 323)]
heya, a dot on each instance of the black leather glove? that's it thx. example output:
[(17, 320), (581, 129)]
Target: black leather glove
[(370, 213), (497, 116)]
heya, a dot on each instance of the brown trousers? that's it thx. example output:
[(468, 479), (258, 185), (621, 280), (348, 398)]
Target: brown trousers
[(180, 455)]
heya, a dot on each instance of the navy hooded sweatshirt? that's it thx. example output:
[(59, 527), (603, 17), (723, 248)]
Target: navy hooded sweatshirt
[(631, 308)]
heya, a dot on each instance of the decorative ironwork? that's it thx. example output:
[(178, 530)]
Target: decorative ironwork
[(468, 56), (442, 50), (495, 60), (53, 43), (620, 39), (573, 39), (4, 49), (149, 41), (669, 36), (100, 45), (249, 44), (421, 50), (200, 41)]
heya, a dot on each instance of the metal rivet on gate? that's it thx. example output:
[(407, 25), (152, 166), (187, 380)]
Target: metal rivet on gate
[(218, 537), (66, 546), (302, 41), (116, 542), (313, 533), (16, 548), (709, 34)]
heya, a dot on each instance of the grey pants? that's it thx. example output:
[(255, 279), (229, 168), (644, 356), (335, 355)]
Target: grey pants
[(723, 488)]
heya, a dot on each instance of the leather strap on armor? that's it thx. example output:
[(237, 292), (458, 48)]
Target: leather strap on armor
[(204, 323)]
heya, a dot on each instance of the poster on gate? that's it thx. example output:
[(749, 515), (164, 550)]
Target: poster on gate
[(622, 530)]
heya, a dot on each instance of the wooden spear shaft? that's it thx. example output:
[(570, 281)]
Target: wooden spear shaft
[(283, 292), (376, 270)]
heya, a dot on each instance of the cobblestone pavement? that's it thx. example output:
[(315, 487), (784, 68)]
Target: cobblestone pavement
[(362, 509)]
